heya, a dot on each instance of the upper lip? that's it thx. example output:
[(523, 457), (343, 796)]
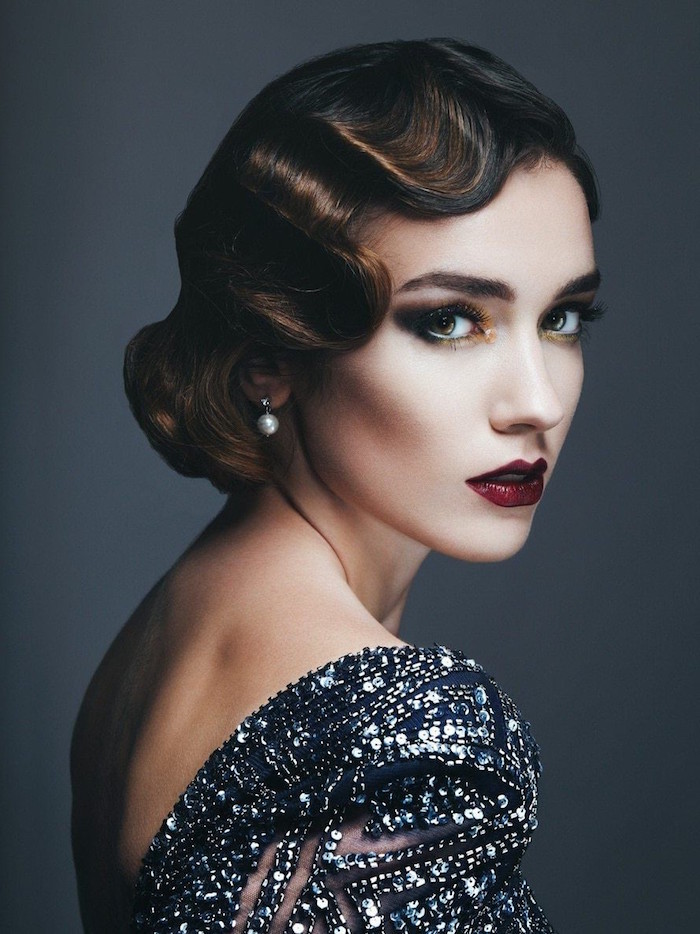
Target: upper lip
[(525, 468)]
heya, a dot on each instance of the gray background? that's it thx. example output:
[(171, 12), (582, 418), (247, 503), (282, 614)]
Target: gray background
[(111, 110)]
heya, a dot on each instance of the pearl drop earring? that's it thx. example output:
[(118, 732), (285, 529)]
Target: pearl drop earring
[(267, 423)]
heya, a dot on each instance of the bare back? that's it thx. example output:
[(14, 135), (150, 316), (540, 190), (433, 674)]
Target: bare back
[(188, 666)]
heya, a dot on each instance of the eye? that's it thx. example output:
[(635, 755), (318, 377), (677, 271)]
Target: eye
[(449, 324), (563, 321), (566, 323)]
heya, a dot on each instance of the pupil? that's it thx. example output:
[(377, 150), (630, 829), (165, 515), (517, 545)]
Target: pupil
[(558, 319), (446, 323)]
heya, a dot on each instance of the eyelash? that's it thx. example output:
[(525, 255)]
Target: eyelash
[(421, 324)]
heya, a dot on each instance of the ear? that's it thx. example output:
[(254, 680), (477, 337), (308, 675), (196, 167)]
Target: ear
[(262, 377)]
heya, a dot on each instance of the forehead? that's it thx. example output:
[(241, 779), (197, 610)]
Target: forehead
[(537, 228)]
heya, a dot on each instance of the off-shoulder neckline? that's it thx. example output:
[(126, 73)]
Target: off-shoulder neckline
[(358, 655)]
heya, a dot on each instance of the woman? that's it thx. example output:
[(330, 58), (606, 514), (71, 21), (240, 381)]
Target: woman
[(376, 352)]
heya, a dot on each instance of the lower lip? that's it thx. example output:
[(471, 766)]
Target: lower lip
[(510, 493)]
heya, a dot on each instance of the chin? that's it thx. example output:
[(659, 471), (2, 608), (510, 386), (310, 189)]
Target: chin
[(487, 546)]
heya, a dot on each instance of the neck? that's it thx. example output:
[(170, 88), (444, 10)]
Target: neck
[(374, 561)]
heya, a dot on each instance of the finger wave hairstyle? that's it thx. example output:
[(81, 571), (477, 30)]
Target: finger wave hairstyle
[(269, 244)]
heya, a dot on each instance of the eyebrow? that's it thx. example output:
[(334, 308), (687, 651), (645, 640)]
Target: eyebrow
[(480, 287)]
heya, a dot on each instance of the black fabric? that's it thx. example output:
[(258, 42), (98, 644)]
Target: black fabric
[(392, 790)]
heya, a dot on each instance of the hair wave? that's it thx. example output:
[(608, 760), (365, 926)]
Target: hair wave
[(269, 244)]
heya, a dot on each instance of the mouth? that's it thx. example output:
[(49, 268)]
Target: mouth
[(518, 483)]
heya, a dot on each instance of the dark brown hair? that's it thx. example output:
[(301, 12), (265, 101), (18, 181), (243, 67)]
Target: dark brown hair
[(268, 246)]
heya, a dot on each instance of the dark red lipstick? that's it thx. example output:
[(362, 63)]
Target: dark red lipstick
[(516, 484)]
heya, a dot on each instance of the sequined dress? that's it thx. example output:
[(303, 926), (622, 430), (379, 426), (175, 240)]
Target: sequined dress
[(393, 789)]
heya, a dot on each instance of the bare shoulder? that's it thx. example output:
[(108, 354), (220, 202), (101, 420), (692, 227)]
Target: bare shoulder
[(269, 622), (224, 643), (264, 632)]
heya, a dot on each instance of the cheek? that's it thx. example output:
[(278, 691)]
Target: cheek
[(566, 373), (573, 382), (378, 420)]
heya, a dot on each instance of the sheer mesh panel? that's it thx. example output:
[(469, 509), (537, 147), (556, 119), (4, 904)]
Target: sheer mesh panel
[(433, 851)]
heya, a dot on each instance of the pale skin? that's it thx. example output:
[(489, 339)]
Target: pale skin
[(321, 562)]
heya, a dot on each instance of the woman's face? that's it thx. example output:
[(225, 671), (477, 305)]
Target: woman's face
[(476, 365)]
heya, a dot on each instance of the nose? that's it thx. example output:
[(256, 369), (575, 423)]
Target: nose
[(526, 398)]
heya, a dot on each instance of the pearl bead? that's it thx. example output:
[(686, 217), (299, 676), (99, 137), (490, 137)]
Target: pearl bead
[(268, 424)]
